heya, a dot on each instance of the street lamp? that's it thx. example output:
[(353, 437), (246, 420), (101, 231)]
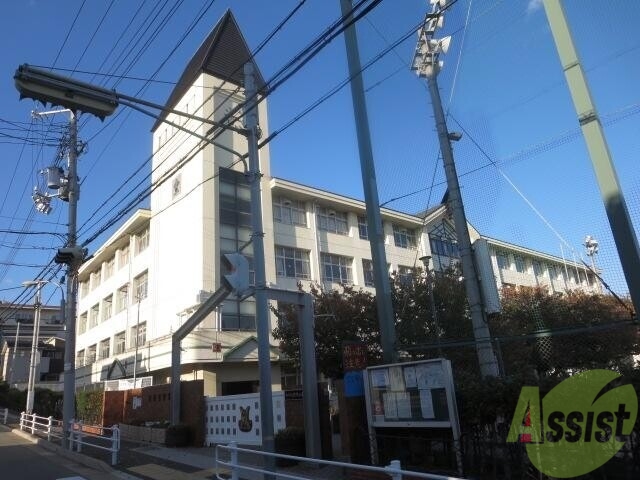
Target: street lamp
[(36, 336), (427, 64), (592, 247)]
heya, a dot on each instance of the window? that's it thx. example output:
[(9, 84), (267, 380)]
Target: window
[(332, 221), (107, 309), (404, 238), (124, 256), (84, 289), (104, 348), (367, 269), (142, 241), (80, 358), (139, 334), (140, 284), (91, 354), (405, 274), (537, 268), (290, 212), (119, 342), (336, 268), (363, 229), (503, 260), (444, 247), (82, 323), (521, 263), (94, 315), (95, 280), (109, 266), (292, 263), (123, 298)]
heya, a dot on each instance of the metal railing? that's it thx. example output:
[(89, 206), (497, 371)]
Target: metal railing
[(48, 426), (393, 470), (102, 438), (4, 413)]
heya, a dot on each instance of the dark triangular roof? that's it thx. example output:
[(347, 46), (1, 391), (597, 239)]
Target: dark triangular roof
[(222, 54)]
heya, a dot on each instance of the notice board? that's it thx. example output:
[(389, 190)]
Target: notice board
[(411, 394)]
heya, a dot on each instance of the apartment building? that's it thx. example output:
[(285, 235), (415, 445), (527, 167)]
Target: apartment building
[(161, 264)]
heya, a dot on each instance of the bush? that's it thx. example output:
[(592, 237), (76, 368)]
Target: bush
[(89, 406), (178, 435), (290, 441)]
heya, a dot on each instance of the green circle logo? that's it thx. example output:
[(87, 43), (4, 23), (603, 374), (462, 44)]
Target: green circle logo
[(579, 426)]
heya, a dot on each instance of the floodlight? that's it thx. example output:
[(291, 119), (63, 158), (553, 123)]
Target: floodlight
[(55, 89)]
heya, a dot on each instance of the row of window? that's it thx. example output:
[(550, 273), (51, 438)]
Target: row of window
[(102, 311), (293, 212), (295, 263), (540, 269), (107, 269), (102, 350)]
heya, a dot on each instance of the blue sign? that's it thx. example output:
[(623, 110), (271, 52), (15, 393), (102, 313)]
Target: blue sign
[(353, 384)]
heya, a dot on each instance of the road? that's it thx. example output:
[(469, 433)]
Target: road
[(22, 460)]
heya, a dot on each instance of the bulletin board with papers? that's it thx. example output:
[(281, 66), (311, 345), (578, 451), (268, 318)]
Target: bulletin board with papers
[(412, 394)]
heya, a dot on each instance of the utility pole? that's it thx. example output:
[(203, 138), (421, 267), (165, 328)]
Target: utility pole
[(386, 317), (73, 260), (612, 195), (13, 355), (263, 328), (427, 65), (34, 346)]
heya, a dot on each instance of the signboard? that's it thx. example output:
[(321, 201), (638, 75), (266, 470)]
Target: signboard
[(354, 356), (412, 394)]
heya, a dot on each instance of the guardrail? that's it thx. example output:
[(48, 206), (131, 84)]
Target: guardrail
[(104, 438), (48, 426), (393, 470)]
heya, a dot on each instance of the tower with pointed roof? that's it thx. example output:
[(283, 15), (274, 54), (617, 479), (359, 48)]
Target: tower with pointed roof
[(200, 200)]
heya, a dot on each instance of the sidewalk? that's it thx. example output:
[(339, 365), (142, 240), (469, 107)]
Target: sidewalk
[(156, 462)]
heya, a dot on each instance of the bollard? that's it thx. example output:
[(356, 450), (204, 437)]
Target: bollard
[(394, 469), (33, 424), (22, 421), (49, 428), (79, 436), (234, 461), (115, 444), (6, 415)]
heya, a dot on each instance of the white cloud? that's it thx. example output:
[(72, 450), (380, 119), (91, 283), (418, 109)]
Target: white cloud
[(534, 6)]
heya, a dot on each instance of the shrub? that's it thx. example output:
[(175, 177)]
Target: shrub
[(289, 441), (178, 435)]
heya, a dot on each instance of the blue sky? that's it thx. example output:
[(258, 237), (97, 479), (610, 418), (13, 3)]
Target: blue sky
[(502, 83)]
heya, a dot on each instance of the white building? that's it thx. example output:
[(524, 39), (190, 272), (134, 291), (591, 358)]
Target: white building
[(146, 280)]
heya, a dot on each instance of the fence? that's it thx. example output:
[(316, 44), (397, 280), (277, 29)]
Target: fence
[(48, 426), (104, 438), (392, 471), (237, 418)]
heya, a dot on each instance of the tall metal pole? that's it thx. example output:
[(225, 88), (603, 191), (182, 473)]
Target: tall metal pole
[(263, 328), (34, 351), (68, 397), (612, 196), (386, 317), (481, 334), (13, 355)]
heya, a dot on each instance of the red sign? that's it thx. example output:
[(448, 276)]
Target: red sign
[(354, 356)]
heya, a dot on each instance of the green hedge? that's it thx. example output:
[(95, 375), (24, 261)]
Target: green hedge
[(89, 406)]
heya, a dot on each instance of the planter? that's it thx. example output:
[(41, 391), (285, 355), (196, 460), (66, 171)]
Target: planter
[(290, 441), (178, 435)]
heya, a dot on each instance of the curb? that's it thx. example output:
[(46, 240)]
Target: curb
[(74, 456)]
